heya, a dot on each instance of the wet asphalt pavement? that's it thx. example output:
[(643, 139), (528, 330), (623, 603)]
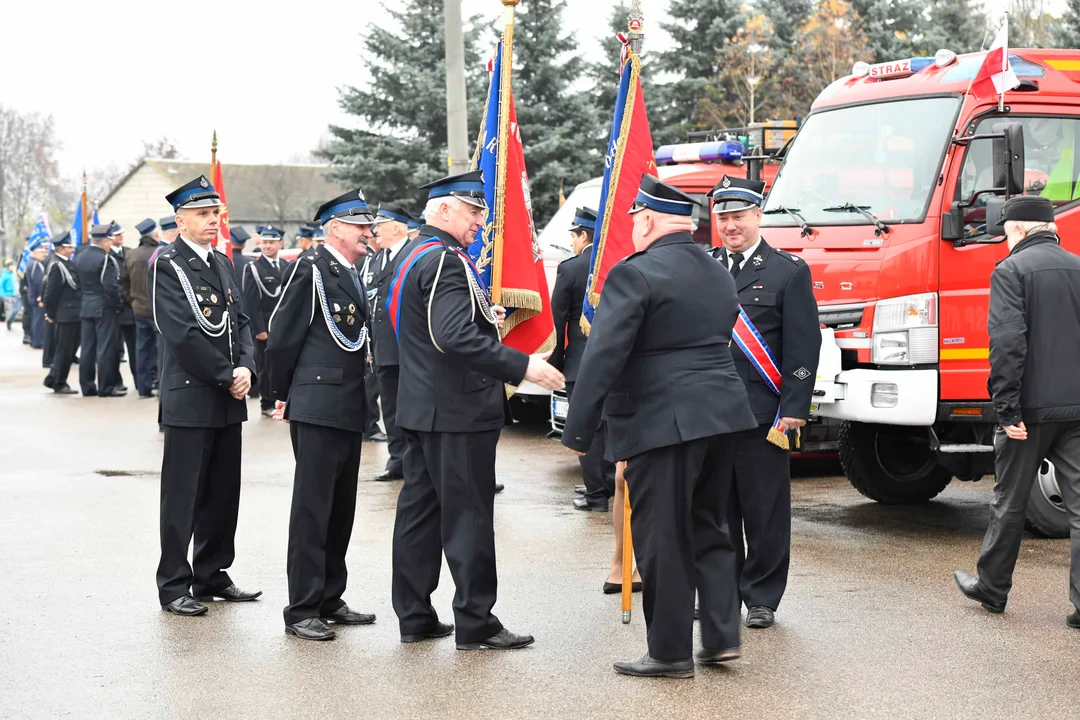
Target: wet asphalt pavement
[(872, 625)]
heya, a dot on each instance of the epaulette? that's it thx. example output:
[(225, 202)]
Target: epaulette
[(311, 258), (793, 258)]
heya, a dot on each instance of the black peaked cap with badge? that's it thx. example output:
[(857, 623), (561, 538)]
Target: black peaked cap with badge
[(239, 235), (167, 223), (269, 232), (584, 219), (393, 213), (655, 195), (732, 194), (350, 207), (467, 187), (145, 227), (64, 239), (198, 193)]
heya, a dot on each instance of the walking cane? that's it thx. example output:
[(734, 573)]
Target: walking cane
[(627, 560)]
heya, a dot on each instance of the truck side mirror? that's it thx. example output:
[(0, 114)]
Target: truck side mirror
[(994, 225), (952, 223), (1009, 158)]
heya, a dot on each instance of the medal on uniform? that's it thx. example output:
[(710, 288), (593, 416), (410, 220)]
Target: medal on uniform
[(199, 297), (337, 318), (206, 312), (758, 260), (337, 308), (213, 298), (352, 308), (351, 320)]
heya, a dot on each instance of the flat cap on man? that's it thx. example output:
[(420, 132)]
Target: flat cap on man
[(1028, 208), (655, 195), (732, 194), (145, 227), (239, 235), (100, 232), (467, 187), (64, 239), (167, 223), (584, 219), (351, 207), (392, 213), (198, 193), (269, 232)]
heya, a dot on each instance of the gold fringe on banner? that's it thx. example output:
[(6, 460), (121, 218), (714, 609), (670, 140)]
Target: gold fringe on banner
[(781, 440), (548, 344)]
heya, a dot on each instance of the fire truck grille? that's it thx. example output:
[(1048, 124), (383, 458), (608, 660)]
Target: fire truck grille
[(840, 317)]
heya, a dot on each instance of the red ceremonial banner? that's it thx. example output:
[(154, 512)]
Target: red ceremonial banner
[(223, 238)]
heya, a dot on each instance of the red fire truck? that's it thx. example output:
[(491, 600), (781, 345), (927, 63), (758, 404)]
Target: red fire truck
[(890, 192)]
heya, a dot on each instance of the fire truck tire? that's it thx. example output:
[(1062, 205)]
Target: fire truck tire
[(1046, 514), (889, 467)]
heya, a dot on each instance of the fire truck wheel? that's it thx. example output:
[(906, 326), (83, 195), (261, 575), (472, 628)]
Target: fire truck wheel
[(890, 466), (1046, 512)]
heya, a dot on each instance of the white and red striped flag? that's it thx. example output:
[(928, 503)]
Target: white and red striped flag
[(995, 75)]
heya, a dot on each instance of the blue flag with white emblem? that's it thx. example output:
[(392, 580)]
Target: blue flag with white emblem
[(40, 235)]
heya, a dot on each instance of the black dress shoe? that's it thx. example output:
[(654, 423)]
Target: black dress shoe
[(185, 606), (1073, 620), (122, 388), (49, 382), (970, 587), (583, 504), (499, 487), (440, 630), (579, 489), (344, 616), (645, 666), (229, 594), (311, 629), (760, 616), (91, 392), (375, 437), (65, 390), (705, 656), (611, 588), (115, 392), (390, 475), (505, 640)]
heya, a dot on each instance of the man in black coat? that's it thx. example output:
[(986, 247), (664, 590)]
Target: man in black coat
[(127, 315), (49, 348), (777, 294), (366, 268), (238, 238), (99, 279), (393, 231), (450, 405), (1034, 314), (262, 282), (566, 303), (658, 368), (35, 281), (316, 352), (137, 267), (63, 302), (205, 377)]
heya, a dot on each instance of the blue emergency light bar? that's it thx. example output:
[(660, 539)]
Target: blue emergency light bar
[(724, 151)]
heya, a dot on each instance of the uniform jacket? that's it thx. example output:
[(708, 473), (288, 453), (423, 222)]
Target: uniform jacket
[(302, 256), (197, 370), (777, 294), (566, 302), (240, 261), (49, 260), (658, 362), (35, 278), (1034, 327), (322, 383), (63, 299), (99, 280), (457, 386), (127, 315), (384, 342), (137, 268), (262, 286)]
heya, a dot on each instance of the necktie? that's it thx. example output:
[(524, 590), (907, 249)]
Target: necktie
[(385, 258), (736, 264), (356, 281)]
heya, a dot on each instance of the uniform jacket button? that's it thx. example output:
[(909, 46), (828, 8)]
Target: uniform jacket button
[(187, 382), (318, 377)]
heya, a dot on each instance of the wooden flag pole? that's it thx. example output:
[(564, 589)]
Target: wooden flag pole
[(627, 558), (85, 212), (213, 154), (504, 135)]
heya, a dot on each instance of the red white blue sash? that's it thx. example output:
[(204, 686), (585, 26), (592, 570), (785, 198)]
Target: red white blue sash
[(761, 358), (393, 303)]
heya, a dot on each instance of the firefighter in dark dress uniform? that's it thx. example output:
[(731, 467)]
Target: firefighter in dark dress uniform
[(450, 405), (261, 285), (99, 280), (127, 314), (207, 371), (63, 301), (659, 369), (777, 295), (566, 302), (316, 352)]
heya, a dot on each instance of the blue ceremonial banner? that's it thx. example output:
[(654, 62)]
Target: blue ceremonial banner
[(41, 234), (77, 224), (487, 161)]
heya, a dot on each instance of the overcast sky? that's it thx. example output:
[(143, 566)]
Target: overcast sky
[(264, 75)]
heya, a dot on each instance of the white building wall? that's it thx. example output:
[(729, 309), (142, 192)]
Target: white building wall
[(142, 196)]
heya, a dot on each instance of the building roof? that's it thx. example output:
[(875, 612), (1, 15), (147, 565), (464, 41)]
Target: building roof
[(261, 193)]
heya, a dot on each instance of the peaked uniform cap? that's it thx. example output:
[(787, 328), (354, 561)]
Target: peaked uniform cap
[(64, 239), (392, 213), (350, 207), (198, 193), (655, 195), (269, 232), (584, 219), (239, 235), (115, 229), (100, 232), (467, 187), (415, 223), (305, 231), (167, 223), (732, 194), (146, 226)]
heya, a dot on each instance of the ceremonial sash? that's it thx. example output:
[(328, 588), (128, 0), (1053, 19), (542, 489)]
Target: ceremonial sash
[(761, 358), (393, 303)]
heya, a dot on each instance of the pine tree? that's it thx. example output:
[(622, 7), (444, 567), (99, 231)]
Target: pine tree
[(562, 133), (957, 25), (1067, 34), (786, 16), (891, 27), (399, 141)]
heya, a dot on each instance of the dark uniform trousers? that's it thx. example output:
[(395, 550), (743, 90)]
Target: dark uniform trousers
[(387, 376), (127, 338), (448, 494), (49, 350), (65, 343), (1017, 463), (200, 495), (100, 353), (371, 400), (678, 495), (761, 502), (266, 402), (146, 354), (598, 472), (321, 522)]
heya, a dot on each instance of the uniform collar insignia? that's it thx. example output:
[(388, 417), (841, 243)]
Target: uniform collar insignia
[(758, 261)]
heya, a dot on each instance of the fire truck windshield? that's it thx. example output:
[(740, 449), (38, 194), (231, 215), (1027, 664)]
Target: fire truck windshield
[(881, 157)]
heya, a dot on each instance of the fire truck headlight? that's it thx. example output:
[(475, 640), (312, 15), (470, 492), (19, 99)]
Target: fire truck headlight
[(906, 331)]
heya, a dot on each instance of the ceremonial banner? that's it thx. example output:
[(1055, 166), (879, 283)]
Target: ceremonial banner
[(79, 223), (506, 252), (216, 179), (629, 156), (41, 234)]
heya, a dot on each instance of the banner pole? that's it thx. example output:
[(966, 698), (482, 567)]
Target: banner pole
[(504, 135), (627, 558)]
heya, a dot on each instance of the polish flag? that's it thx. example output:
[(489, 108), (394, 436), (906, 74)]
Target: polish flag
[(995, 76)]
